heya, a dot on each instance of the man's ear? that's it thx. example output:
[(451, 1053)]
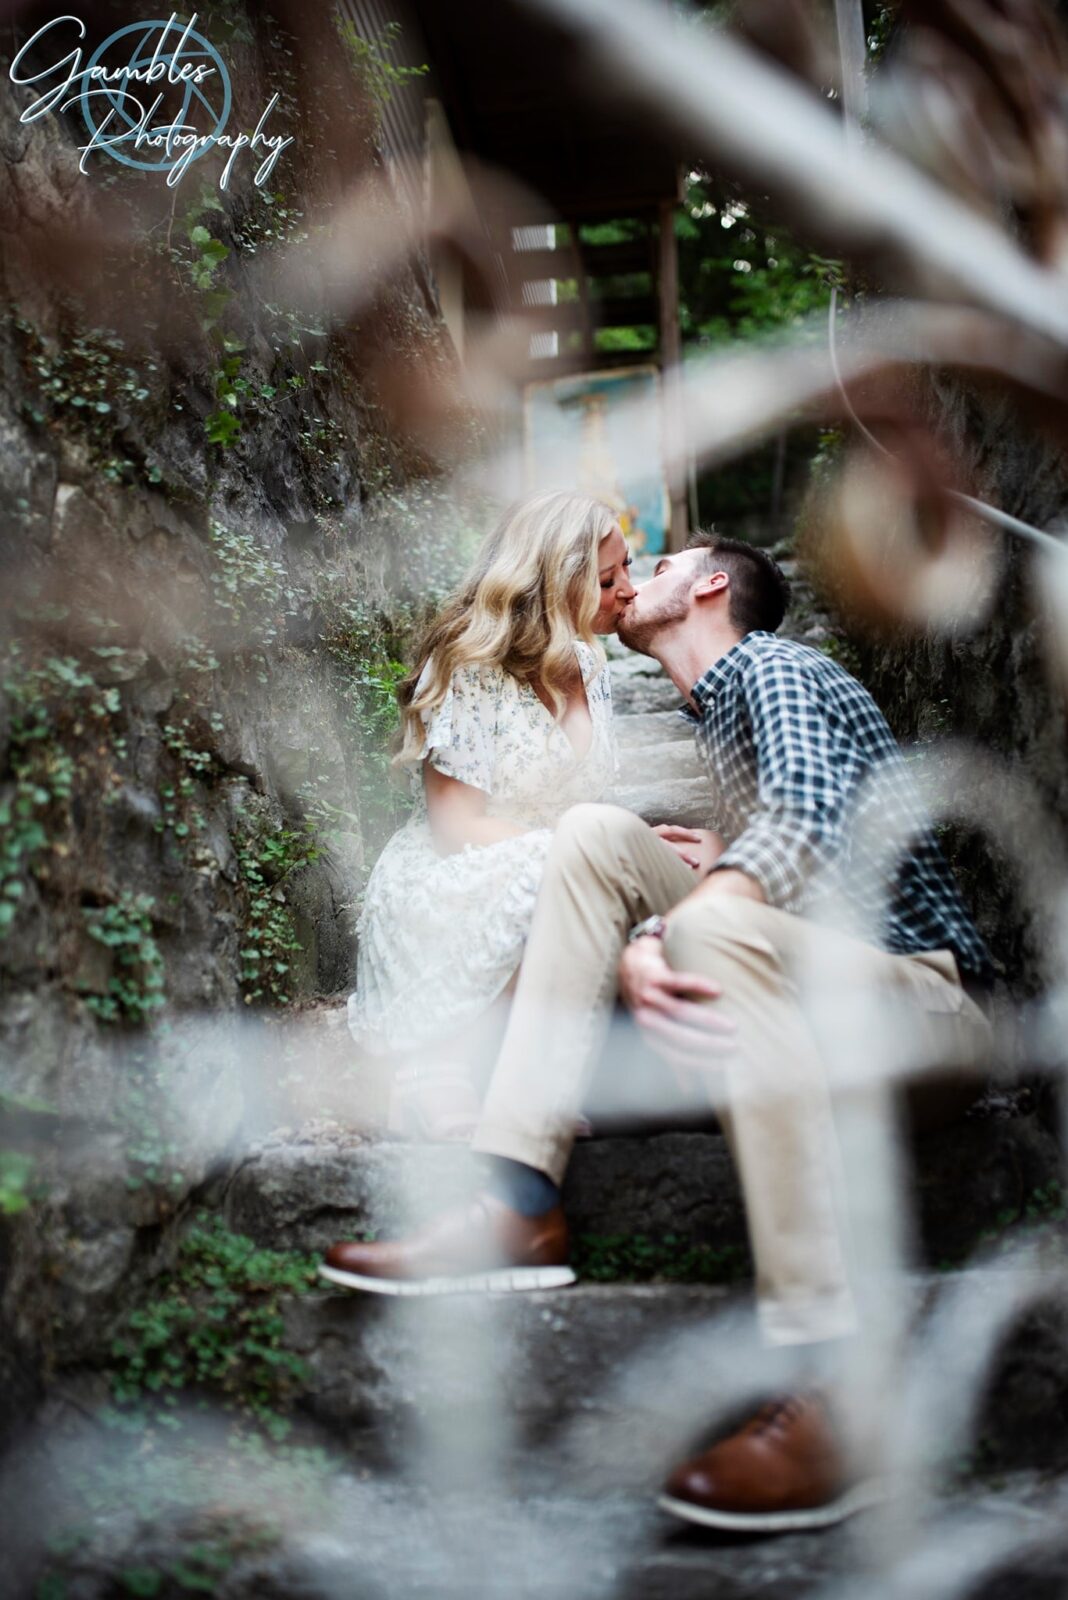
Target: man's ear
[(711, 584)]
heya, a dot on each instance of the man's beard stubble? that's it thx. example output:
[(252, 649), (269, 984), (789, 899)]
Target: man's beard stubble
[(641, 633)]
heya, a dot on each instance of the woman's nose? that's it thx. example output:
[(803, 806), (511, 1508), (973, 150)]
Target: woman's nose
[(626, 590)]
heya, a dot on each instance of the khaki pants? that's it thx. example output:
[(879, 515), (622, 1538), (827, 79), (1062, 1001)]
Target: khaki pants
[(812, 1006)]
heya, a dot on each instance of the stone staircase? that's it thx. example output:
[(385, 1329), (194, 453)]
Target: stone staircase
[(513, 1444), (660, 776)]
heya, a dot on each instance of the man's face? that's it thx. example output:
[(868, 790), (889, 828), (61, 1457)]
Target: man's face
[(663, 601)]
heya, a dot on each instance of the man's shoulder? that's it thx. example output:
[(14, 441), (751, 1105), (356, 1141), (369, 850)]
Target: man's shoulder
[(766, 653)]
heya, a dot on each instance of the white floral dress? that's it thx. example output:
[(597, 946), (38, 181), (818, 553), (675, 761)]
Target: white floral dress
[(440, 936)]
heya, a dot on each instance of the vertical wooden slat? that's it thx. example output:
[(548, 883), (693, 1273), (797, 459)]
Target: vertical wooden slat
[(853, 50), (675, 447)]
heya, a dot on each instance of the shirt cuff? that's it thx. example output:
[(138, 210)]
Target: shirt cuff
[(768, 864)]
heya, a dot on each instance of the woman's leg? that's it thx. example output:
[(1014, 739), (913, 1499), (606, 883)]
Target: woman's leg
[(437, 1089)]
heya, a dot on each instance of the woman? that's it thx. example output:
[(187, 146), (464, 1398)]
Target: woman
[(508, 716)]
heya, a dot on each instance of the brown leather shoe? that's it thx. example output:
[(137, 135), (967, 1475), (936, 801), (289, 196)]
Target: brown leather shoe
[(782, 1470), (483, 1245)]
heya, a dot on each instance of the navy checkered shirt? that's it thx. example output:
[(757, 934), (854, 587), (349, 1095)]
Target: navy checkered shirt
[(817, 804)]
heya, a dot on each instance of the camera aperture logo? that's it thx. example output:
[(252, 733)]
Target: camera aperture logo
[(114, 91)]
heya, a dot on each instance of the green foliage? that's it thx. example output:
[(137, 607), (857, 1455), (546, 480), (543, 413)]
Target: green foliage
[(135, 988), (372, 62), (636, 1258), (881, 30), (221, 428), (87, 381), (1042, 1214), (176, 736), (250, 586), (179, 815), (269, 937), (361, 642), (151, 1151), (215, 1323), (739, 277), (16, 1176), (197, 255), (52, 703), (269, 222)]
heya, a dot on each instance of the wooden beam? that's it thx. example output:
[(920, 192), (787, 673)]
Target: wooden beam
[(572, 361), (634, 311), (853, 50), (676, 450), (597, 260)]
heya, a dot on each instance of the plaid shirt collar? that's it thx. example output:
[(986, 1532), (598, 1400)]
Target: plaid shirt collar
[(719, 676)]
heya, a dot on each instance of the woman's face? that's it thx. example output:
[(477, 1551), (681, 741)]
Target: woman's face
[(616, 589)]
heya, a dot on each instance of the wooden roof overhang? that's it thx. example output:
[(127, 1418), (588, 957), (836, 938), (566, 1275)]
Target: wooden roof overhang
[(522, 96)]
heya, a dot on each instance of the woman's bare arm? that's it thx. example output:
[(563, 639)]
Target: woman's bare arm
[(457, 813)]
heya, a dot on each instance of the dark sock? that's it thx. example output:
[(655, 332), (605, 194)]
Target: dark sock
[(524, 1188)]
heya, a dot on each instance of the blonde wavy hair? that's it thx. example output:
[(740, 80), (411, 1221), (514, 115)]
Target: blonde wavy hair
[(532, 590)]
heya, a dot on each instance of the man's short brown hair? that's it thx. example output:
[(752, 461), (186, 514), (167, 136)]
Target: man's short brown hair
[(759, 591)]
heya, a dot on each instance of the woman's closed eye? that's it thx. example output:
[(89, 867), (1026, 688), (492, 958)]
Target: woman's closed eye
[(610, 583)]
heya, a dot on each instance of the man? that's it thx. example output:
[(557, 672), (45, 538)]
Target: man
[(756, 969)]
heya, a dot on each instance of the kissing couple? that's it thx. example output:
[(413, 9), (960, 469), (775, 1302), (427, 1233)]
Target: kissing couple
[(814, 942)]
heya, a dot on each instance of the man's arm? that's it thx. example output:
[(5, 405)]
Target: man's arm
[(795, 827)]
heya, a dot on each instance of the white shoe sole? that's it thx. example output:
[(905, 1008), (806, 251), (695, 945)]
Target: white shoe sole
[(859, 1498), (507, 1280)]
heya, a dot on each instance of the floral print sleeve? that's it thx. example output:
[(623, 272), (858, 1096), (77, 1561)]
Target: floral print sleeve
[(460, 732)]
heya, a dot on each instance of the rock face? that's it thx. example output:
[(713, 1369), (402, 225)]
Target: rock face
[(203, 599)]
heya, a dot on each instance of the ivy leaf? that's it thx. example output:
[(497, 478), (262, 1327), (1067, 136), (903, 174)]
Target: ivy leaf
[(222, 428)]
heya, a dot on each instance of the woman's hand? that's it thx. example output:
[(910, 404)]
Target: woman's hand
[(699, 848)]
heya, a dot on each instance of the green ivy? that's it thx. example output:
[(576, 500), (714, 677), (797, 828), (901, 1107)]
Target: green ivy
[(88, 380), (135, 988), (362, 644), (269, 936), (16, 1175), (1042, 1214), (51, 702), (250, 586), (215, 1324), (372, 62), (636, 1258)]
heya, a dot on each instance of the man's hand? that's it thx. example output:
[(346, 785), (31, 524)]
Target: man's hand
[(699, 848), (673, 1012)]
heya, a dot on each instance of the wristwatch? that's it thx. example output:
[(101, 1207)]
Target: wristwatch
[(651, 928)]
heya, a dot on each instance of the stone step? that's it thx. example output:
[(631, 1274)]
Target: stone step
[(659, 764), (652, 727), (640, 685), (686, 801), (679, 1185), (608, 1385), (502, 1527)]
